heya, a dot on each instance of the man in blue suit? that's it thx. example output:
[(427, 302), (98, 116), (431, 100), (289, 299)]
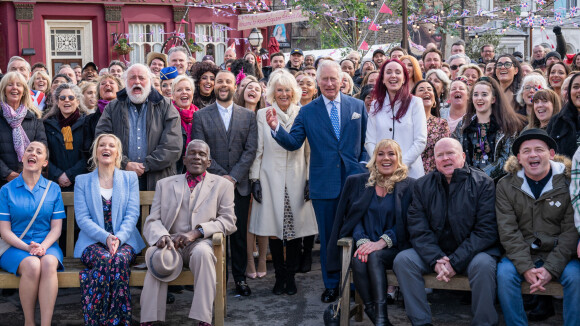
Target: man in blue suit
[(335, 125)]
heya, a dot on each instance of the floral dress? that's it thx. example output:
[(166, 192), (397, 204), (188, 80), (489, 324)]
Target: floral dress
[(106, 297), (437, 128)]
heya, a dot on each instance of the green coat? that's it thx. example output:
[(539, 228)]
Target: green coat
[(521, 218)]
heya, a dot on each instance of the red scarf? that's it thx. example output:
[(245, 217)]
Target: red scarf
[(193, 181), (186, 119)]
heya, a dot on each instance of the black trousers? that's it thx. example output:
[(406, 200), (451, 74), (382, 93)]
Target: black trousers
[(238, 240)]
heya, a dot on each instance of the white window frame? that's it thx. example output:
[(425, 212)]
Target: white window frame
[(143, 35), (210, 35), (485, 5)]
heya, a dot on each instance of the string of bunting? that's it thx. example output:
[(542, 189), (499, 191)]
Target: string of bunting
[(531, 21)]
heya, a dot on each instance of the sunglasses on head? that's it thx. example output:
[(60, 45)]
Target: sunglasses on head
[(64, 97), (484, 78)]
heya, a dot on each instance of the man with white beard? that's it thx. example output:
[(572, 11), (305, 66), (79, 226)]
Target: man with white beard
[(148, 126)]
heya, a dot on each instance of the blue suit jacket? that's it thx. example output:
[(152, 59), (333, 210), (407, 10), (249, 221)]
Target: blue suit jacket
[(328, 155), (125, 209)]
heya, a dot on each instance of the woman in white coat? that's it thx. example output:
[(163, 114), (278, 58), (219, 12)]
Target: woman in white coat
[(406, 123), (281, 208)]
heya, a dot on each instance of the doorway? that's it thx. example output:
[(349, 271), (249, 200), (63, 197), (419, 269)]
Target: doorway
[(56, 63), (68, 42)]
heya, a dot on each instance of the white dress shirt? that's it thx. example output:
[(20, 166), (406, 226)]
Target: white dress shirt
[(329, 106), (226, 114)]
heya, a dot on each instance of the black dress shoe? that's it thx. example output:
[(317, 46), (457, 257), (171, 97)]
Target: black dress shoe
[(243, 289), (279, 287), (530, 301), (543, 311), (329, 295), (305, 263), (170, 298), (291, 286)]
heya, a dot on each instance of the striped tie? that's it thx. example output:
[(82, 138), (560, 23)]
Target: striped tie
[(335, 120)]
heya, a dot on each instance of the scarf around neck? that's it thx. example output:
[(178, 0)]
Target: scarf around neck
[(65, 127), (101, 104), (186, 119), (14, 119)]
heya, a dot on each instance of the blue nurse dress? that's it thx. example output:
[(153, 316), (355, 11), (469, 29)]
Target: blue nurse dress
[(17, 205)]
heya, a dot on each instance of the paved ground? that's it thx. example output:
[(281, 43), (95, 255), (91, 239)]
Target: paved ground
[(262, 307)]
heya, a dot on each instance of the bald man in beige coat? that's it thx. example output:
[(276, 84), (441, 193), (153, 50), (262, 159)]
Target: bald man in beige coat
[(186, 211)]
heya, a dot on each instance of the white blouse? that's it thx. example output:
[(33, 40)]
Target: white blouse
[(410, 132)]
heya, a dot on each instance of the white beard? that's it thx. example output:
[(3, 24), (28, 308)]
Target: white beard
[(139, 99)]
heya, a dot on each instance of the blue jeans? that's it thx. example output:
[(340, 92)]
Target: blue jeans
[(509, 285)]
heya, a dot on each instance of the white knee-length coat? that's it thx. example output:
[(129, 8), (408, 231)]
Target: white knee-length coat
[(276, 167)]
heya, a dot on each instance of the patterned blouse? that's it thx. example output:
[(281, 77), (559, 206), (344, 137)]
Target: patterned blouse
[(437, 128)]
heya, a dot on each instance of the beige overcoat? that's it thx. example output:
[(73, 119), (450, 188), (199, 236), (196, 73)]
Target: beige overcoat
[(277, 168)]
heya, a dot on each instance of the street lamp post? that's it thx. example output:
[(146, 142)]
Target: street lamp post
[(255, 39), (404, 39)]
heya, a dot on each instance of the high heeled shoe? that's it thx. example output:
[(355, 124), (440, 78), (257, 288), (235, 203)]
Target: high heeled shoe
[(252, 275), (261, 274)]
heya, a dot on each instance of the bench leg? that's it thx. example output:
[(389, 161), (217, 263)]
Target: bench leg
[(358, 308), (220, 299), (345, 299)]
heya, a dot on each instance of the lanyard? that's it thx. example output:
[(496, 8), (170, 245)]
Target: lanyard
[(481, 142)]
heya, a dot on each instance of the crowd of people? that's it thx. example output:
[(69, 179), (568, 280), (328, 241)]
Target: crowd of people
[(439, 165)]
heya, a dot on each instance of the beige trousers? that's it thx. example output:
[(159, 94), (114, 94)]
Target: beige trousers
[(199, 255)]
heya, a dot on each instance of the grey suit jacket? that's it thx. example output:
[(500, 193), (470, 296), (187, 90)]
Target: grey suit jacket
[(230, 155)]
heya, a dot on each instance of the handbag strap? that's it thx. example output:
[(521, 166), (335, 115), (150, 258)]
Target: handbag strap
[(37, 210)]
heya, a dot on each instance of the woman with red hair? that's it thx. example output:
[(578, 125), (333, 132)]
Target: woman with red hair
[(398, 115)]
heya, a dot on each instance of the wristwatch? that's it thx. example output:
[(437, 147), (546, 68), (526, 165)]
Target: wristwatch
[(200, 229)]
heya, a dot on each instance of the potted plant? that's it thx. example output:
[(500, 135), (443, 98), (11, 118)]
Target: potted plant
[(194, 47), (123, 47)]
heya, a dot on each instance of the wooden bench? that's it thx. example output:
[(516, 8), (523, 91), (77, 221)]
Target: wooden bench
[(69, 278), (458, 283)]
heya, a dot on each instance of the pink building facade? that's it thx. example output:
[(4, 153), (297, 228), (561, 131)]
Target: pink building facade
[(79, 31)]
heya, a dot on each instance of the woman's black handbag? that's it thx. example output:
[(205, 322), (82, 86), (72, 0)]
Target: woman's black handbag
[(331, 315)]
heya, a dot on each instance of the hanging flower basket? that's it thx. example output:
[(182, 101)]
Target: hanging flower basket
[(194, 47), (123, 47)]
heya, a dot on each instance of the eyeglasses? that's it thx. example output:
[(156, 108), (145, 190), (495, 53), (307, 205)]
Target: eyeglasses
[(529, 88), (64, 97), (507, 65), (455, 67)]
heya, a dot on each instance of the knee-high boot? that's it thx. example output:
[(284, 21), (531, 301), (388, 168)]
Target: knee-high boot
[(277, 251), (363, 287), (379, 292), (306, 258), (292, 264)]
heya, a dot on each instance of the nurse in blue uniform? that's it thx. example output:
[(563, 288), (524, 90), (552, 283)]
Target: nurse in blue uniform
[(37, 257)]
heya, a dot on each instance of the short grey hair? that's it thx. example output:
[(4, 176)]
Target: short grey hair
[(76, 91), (178, 80), (531, 78), (17, 58), (328, 63), (199, 141), (459, 56), (178, 49)]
